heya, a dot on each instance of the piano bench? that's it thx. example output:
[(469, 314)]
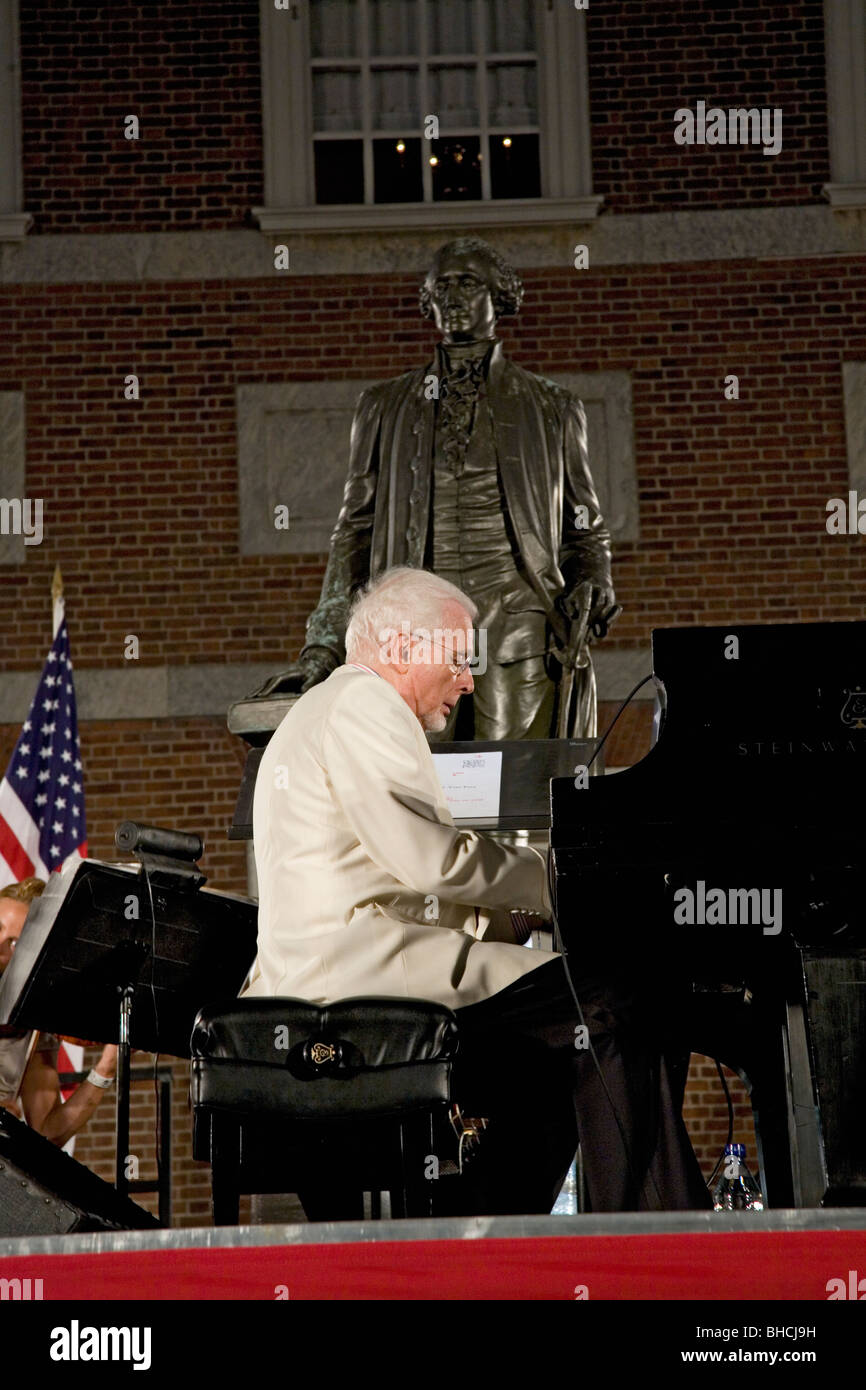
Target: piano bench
[(332, 1102)]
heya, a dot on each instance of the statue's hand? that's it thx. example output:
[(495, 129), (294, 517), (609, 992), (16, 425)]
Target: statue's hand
[(314, 666), (604, 609), (286, 682), (602, 600)]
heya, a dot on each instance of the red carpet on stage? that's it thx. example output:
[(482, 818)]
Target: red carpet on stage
[(787, 1256)]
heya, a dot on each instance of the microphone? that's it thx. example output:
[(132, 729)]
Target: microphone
[(154, 839)]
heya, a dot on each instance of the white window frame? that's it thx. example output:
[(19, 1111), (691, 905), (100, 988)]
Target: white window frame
[(14, 221), (845, 46), (566, 162)]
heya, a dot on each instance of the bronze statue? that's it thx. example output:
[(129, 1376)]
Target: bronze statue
[(478, 470)]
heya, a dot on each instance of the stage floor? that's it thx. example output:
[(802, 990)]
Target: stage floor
[(772, 1255)]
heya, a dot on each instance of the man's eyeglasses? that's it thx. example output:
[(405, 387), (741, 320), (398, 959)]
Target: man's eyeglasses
[(455, 667)]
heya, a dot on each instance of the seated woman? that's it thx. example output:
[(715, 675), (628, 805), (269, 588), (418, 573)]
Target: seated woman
[(29, 1080)]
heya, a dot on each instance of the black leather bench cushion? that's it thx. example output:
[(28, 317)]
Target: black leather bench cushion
[(373, 1032), (248, 1088)]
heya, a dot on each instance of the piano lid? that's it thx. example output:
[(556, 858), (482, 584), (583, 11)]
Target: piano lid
[(759, 720), (787, 691)]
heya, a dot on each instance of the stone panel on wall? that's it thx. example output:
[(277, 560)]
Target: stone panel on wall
[(854, 386), (293, 451), (12, 546), (610, 430)]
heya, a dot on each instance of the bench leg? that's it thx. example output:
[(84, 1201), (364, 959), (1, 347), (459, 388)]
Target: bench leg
[(225, 1158)]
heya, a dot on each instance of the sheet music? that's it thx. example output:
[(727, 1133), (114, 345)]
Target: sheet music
[(471, 783)]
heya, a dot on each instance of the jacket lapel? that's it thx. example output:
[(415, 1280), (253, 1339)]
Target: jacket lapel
[(405, 454)]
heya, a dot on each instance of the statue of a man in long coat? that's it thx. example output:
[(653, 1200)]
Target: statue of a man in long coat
[(478, 470)]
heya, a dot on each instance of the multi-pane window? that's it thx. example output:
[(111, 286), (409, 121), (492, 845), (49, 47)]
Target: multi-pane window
[(424, 100)]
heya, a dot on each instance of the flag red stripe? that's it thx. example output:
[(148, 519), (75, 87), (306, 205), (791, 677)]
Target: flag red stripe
[(64, 1063), (18, 860)]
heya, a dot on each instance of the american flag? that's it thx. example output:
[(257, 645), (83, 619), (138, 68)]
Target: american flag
[(42, 819)]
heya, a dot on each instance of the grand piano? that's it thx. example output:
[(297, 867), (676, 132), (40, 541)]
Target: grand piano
[(731, 862)]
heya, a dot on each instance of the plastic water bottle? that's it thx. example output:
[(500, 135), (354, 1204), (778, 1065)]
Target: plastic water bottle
[(736, 1189)]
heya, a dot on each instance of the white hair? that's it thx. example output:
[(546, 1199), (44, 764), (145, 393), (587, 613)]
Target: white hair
[(401, 599)]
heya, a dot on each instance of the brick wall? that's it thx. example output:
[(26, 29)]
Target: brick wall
[(141, 496), (187, 769), (647, 61), (630, 740), (706, 1115), (189, 72)]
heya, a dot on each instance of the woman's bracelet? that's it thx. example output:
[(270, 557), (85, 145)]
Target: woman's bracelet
[(95, 1079)]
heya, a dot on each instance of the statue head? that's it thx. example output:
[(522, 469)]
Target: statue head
[(467, 288)]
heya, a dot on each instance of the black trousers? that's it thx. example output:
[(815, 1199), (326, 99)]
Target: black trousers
[(523, 1063)]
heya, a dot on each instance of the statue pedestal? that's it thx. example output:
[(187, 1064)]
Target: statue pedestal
[(255, 720)]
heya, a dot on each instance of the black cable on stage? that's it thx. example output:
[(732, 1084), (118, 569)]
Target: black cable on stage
[(609, 730), (730, 1138)]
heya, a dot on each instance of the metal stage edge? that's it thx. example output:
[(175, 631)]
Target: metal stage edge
[(443, 1228), (782, 1255)]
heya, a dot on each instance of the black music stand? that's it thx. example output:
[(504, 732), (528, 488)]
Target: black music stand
[(127, 954), (528, 764), (524, 795)]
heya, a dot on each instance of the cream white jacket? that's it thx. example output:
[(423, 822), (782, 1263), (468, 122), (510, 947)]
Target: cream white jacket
[(365, 884)]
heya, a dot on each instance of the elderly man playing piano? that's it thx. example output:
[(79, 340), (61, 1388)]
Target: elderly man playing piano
[(367, 887)]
